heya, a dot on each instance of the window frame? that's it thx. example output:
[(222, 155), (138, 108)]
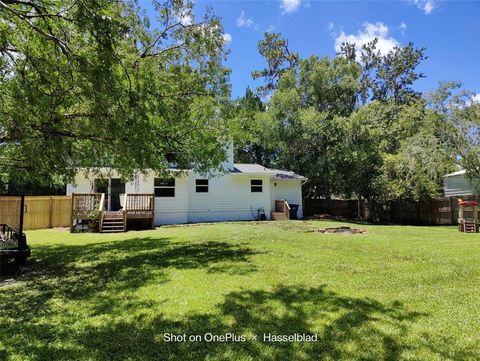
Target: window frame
[(202, 186), (164, 185), (256, 188)]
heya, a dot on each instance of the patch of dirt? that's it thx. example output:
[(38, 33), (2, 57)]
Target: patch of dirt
[(343, 230)]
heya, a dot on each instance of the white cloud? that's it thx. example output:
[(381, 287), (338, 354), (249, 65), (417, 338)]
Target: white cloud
[(289, 6), (402, 27), (185, 19), (426, 6), (368, 32), (244, 21), (271, 28), (330, 26), (227, 38), (473, 99)]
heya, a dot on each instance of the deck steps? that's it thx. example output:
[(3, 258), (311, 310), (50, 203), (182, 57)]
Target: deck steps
[(113, 222), (278, 216), (470, 226)]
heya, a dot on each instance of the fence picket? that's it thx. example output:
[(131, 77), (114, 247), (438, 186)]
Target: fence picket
[(441, 211), (41, 211)]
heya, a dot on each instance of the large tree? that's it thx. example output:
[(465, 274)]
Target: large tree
[(308, 107), (458, 119), (387, 75), (85, 83), (402, 155), (254, 131), (392, 145), (274, 49)]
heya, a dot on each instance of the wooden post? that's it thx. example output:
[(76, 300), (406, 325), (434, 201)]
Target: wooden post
[(71, 213), (452, 214), (419, 214), (125, 214), (461, 223), (50, 211), (359, 215), (153, 211), (391, 212), (22, 242), (475, 217)]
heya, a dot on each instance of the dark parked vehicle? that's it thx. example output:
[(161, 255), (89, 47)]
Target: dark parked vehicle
[(14, 249)]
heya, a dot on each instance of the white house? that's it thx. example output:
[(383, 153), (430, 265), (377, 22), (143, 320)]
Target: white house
[(244, 192), (456, 184)]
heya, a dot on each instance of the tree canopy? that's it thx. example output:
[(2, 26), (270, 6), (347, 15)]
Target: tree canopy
[(91, 83), (355, 126), (86, 83)]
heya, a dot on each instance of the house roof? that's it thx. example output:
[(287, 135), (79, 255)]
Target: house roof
[(250, 168), (247, 169), (257, 169), (458, 172)]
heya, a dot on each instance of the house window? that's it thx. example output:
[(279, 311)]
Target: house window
[(164, 187), (201, 185), (256, 185), (100, 185)]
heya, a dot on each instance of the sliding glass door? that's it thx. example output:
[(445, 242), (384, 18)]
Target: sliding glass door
[(112, 187)]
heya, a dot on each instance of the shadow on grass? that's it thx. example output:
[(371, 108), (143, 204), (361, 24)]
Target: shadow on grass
[(106, 276), (347, 328), (112, 322)]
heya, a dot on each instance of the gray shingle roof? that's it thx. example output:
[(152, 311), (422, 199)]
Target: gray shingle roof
[(258, 169)]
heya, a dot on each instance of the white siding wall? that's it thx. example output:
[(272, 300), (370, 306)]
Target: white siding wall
[(86, 185), (291, 190), (141, 184), (171, 210), (82, 185), (457, 185), (229, 197)]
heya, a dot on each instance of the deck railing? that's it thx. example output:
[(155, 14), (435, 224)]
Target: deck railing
[(134, 205), (83, 203), (283, 206), (139, 202), (101, 210), (139, 205), (286, 209)]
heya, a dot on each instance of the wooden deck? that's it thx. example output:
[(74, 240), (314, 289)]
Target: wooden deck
[(92, 206)]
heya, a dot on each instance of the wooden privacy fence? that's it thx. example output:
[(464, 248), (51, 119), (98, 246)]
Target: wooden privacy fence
[(347, 208), (40, 211), (441, 211)]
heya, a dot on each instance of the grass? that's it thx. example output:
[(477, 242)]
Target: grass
[(398, 293)]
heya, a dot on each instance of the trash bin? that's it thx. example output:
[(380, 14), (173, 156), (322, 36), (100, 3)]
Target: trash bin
[(293, 211)]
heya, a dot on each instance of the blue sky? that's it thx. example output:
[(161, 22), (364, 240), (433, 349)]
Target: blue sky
[(450, 30)]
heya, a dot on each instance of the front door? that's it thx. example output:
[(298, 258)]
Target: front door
[(101, 186), (117, 187)]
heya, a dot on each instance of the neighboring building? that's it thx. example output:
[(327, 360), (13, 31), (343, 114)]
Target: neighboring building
[(456, 184), (188, 197)]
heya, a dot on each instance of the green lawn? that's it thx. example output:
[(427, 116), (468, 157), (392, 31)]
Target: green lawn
[(409, 293)]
